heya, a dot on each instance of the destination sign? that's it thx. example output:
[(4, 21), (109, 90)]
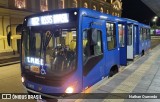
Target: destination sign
[(49, 19)]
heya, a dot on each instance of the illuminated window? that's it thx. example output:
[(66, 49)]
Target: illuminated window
[(44, 5), (60, 4), (94, 7), (111, 1), (113, 13), (85, 5), (101, 10), (74, 4), (111, 35), (107, 12), (20, 4)]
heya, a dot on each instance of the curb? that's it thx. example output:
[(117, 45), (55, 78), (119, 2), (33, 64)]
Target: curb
[(9, 63)]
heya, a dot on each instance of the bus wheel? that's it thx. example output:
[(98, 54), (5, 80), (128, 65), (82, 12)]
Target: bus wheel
[(142, 53), (113, 71)]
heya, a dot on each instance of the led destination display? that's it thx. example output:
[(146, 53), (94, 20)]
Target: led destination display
[(49, 19)]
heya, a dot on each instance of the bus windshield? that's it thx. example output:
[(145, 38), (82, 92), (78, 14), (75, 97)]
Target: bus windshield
[(52, 47)]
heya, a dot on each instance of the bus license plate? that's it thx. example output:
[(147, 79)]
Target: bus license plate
[(35, 69)]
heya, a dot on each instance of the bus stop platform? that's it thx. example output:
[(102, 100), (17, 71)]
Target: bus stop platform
[(140, 77)]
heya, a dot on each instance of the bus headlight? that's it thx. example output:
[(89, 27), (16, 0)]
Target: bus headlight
[(69, 90), (22, 79)]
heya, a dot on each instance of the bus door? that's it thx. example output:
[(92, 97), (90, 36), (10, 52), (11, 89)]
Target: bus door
[(93, 53), (136, 46), (130, 34), (122, 30)]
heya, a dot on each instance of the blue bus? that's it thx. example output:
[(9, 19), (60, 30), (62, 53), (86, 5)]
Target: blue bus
[(134, 40), (69, 50), (140, 35)]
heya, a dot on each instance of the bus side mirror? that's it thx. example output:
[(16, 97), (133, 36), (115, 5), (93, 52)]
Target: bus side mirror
[(92, 36), (19, 29), (9, 38)]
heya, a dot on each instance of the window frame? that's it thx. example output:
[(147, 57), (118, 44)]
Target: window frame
[(141, 34), (123, 32), (92, 60), (128, 26), (148, 34), (18, 6), (46, 6), (59, 4), (114, 35), (102, 51), (75, 4)]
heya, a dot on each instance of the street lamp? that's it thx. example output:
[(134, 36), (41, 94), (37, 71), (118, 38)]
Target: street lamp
[(155, 20)]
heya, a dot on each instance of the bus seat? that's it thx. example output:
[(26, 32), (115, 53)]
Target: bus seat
[(69, 38), (72, 45), (84, 43)]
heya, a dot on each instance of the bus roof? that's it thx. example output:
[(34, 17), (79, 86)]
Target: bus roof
[(87, 12), (81, 11)]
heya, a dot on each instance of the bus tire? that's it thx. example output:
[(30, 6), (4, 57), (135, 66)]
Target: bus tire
[(113, 71), (142, 53)]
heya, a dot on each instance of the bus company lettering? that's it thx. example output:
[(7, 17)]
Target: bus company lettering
[(35, 60)]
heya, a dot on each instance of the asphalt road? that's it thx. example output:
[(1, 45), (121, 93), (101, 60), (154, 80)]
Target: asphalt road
[(10, 82)]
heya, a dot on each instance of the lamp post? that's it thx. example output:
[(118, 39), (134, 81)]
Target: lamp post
[(154, 25), (155, 20)]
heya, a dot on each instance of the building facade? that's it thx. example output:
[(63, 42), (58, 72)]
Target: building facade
[(12, 13)]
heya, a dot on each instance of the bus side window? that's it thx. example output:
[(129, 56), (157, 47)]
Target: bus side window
[(111, 35), (121, 29), (92, 50), (141, 33), (148, 33), (129, 36)]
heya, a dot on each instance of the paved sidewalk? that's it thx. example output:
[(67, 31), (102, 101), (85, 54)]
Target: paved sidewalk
[(142, 76)]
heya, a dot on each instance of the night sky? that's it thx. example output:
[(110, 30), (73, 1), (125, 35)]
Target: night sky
[(137, 10)]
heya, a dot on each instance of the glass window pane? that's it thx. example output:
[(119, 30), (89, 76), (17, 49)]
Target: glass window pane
[(44, 5), (121, 35), (91, 50), (20, 4), (111, 36), (129, 37)]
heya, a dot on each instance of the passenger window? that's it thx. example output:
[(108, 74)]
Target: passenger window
[(121, 30), (141, 33), (111, 35), (148, 33), (144, 34), (92, 50), (129, 37)]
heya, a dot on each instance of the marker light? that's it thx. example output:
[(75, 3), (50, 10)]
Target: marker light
[(69, 90), (22, 79), (75, 13)]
